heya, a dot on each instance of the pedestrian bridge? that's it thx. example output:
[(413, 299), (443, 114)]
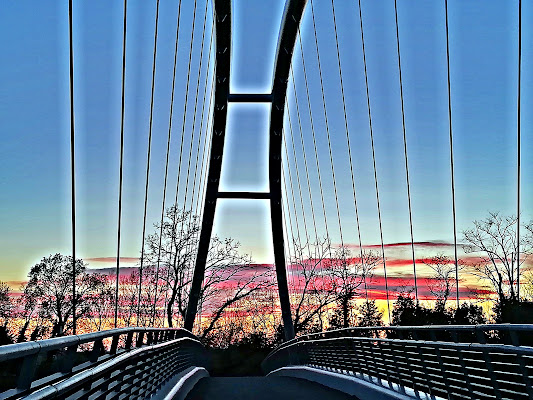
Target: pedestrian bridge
[(427, 362), (390, 362)]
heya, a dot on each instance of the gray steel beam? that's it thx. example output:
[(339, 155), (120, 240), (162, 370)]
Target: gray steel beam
[(222, 12), (244, 195), (250, 97), (287, 39)]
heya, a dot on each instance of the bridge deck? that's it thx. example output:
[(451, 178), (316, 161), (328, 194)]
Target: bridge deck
[(260, 388)]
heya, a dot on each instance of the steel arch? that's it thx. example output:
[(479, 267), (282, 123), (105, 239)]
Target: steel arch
[(287, 38)]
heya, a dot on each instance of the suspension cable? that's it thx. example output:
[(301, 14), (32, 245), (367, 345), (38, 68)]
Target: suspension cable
[(314, 139), (327, 128), (405, 148), (293, 237), (201, 117), (291, 186), (374, 161), (193, 129), (292, 193), (207, 149), (186, 102), (349, 149), (72, 166), (148, 163), (121, 161), (169, 137), (297, 172), (203, 155), (298, 181), (303, 153), (451, 157), (202, 120), (518, 134), (185, 106), (171, 113), (288, 260), (204, 176)]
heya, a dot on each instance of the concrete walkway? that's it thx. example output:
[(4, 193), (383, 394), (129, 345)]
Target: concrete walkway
[(267, 388)]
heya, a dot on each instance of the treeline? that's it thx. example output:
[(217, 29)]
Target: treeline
[(239, 302)]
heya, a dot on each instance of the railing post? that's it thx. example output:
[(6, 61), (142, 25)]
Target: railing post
[(67, 361), (384, 363), (357, 365), (114, 344), (525, 374), (140, 339), (27, 371), (455, 338), (376, 371), (363, 355), (98, 346), (423, 364), (397, 367), (482, 340), (441, 363), (129, 341)]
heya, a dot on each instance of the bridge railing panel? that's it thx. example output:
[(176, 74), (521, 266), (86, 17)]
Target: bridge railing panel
[(29, 366), (445, 369)]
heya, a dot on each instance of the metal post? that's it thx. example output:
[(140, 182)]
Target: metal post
[(287, 38), (222, 11)]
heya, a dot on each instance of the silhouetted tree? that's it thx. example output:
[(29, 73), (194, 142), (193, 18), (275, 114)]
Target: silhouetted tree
[(369, 314), (172, 246), (6, 303), (513, 311), (316, 287), (495, 238), (5, 336), (349, 275), (102, 303), (407, 312), (442, 283), (229, 274), (50, 287), (469, 314)]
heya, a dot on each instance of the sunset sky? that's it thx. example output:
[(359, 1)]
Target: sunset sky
[(34, 127)]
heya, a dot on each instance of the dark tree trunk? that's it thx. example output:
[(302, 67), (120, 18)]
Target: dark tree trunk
[(22, 333), (345, 304)]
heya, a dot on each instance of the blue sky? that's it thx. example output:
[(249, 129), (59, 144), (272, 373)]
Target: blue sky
[(34, 132)]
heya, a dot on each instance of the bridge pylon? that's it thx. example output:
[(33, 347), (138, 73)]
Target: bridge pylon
[(287, 38)]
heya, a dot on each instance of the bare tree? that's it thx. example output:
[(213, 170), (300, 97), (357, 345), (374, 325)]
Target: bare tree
[(150, 293), (229, 274), (316, 288), (350, 274), (229, 278), (102, 303), (442, 283), (173, 247), (128, 297), (495, 238)]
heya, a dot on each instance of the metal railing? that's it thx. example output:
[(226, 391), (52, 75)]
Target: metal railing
[(513, 334), (31, 366), (445, 369)]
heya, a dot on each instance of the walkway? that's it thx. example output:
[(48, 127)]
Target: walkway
[(259, 388)]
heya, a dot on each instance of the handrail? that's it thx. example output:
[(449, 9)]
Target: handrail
[(138, 373), (442, 368), (478, 332), (59, 355)]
